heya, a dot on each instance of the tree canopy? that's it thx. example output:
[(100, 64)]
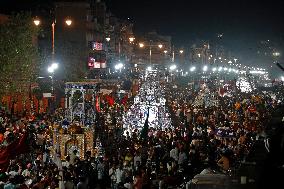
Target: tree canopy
[(19, 59)]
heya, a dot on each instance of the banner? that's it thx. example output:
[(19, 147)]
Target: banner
[(91, 62), (97, 46)]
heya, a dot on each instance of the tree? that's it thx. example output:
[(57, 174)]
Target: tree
[(19, 59)]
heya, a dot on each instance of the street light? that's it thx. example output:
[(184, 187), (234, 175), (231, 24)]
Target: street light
[(51, 70), (165, 51), (118, 66), (173, 67), (205, 68), (107, 39), (36, 21), (141, 45), (192, 68), (131, 39), (180, 51), (52, 67), (276, 54), (68, 22)]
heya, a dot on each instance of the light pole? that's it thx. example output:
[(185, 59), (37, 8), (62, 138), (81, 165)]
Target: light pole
[(37, 22), (51, 70), (141, 45), (181, 56), (131, 40)]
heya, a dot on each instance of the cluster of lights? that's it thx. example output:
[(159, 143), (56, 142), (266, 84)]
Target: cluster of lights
[(257, 72), (173, 67), (214, 69), (141, 45), (52, 68), (192, 69), (118, 66)]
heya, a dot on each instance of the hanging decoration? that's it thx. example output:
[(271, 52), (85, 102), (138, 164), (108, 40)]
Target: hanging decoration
[(151, 95)]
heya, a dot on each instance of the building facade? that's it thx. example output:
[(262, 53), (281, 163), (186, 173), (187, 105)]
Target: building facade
[(94, 42)]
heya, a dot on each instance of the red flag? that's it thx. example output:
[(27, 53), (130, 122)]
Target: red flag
[(110, 100), (98, 103), (252, 109), (222, 91), (124, 100), (12, 150)]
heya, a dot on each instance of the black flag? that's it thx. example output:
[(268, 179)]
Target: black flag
[(144, 131)]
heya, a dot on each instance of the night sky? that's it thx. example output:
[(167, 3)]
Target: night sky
[(244, 23)]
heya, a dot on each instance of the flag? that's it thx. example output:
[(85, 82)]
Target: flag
[(124, 100), (98, 103), (97, 65), (91, 62), (110, 100), (97, 46), (222, 91), (17, 147), (103, 64), (144, 131)]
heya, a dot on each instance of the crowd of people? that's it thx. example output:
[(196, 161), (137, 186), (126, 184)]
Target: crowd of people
[(202, 141)]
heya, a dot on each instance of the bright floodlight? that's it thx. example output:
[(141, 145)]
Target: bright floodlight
[(192, 68), (54, 66), (107, 39), (230, 62), (225, 69), (165, 51), (118, 66), (50, 69), (205, 68), (173, 67), (68, 22), (181, 51), (141, 45), (149, 68), (214, 69), (276, 54), (160, 46)]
